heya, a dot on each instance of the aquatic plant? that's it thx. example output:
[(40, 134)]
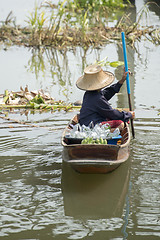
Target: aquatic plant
[(95, 4), (60, 28), (36, 21)]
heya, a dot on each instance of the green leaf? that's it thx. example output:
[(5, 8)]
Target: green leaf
[(36, 106), (38, 99), (116, 64)]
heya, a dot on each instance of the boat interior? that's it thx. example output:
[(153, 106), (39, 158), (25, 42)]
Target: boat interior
[(124, 133)]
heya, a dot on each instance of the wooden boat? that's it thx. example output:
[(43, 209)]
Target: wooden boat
[(95, 158)]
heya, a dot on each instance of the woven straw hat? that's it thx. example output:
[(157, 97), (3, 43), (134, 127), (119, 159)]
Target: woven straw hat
[(94, 78)]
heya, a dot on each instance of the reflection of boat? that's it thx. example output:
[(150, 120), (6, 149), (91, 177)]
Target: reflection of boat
[(94, 196), (95, 158)]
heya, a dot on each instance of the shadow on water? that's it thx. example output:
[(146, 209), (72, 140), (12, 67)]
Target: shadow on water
[(93, 196)]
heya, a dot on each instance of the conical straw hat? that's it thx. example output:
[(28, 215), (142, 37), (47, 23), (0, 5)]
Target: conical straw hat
[(94, 78)]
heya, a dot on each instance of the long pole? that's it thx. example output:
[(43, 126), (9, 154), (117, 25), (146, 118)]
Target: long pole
[(127, 79)]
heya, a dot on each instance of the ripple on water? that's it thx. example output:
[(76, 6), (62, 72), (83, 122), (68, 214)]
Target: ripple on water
[(32, 202), (146, 180)]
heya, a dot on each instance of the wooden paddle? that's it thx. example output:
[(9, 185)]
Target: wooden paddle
[(127, 79)]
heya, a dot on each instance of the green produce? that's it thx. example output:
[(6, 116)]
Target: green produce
[(89, 140)]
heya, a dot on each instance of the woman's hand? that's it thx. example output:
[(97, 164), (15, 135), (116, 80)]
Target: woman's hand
[(133, 114), (124, 76)]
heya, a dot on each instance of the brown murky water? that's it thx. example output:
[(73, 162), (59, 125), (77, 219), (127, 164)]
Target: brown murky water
[(41, 197)]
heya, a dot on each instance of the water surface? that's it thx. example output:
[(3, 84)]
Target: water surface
[(43, 198)]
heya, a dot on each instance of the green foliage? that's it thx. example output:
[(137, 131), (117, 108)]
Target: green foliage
[(36, 102), (96, 4), (78, 23), (37, 19), (38, 99), (114, 64), (6, 96), (89, 12), (81, 15)]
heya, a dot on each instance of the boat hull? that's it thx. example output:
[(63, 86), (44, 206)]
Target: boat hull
[(95, 159)]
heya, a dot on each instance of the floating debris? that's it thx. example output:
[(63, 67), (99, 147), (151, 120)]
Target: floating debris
[(33, 100)]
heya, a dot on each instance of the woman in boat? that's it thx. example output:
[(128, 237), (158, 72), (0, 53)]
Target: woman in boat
[(95, 106)]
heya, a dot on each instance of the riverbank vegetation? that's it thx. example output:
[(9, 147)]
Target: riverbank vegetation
[(76, 23)]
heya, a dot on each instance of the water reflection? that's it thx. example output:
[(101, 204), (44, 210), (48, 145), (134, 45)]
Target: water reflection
[(44, 61), (145, 181), (56, 65), (30, 182), (41, 198), (95, 196), (62, 69), (123, 97)]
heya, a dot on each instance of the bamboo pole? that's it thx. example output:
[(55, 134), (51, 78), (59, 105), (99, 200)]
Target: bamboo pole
[(48, 106), (3, 106)]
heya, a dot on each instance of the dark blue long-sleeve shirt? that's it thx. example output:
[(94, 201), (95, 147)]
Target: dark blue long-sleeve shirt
[(96, 108)]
